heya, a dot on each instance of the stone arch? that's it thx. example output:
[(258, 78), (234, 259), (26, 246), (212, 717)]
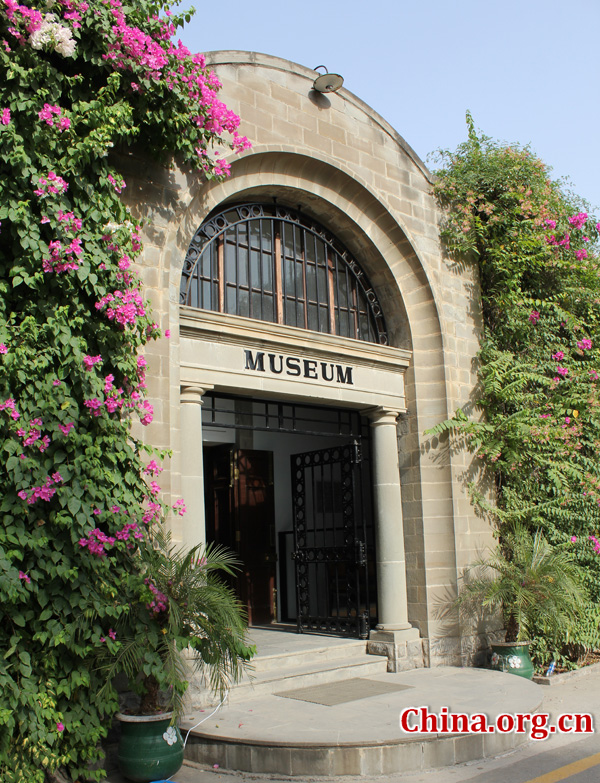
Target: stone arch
[(348, 208), (369, 229)]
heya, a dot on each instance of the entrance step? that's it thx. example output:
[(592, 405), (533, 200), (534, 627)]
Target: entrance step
[(335, 651), (303, 676), (287, 661)]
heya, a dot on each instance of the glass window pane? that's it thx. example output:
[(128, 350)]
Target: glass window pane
[(230, 263), (324, 320), (231, 301), (204, 263), (206, 303), (299, 280), (256, 306), (290, 312), (290, 288), (255, 269), (343, 327), (267, 236), (323, 283), (287, 239), (242, 266), (311, 283), (255, 234), (267, 272), (320, 252), (342, 290), (268, 308), (312, 318), (244, 304)]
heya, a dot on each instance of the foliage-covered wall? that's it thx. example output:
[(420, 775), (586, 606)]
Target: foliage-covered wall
[(77, 494), (535, 247)]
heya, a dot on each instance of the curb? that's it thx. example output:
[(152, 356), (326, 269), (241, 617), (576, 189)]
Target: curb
[(559, 679)]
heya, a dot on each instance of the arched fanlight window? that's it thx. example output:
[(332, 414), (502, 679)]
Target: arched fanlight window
[(274, 264)]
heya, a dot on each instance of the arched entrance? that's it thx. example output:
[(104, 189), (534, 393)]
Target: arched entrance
[(283, 339)]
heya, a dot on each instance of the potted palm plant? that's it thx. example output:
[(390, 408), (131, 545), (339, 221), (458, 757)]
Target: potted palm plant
[(183, 607), (532, 583)]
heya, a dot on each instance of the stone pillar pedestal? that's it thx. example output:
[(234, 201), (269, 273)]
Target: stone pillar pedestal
[(393, 631), (192, 467)]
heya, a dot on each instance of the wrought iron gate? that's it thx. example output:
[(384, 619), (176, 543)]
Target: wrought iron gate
[(330, 535)]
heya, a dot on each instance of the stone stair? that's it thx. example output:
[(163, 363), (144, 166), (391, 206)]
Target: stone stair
[(287, 671), (320, 660)]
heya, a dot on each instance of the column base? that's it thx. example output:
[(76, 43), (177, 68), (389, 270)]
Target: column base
[(403, 648), (395, 634)]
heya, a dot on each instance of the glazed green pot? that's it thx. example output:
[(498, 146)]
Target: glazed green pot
[(150, 748), (512, 657)]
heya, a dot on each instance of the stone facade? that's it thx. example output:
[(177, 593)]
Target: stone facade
[(338, 161)]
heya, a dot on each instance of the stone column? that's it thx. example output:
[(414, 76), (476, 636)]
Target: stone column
[(393, 630), (192, 468)]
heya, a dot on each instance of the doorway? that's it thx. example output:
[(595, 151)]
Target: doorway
[(251, 508), (240, 515)]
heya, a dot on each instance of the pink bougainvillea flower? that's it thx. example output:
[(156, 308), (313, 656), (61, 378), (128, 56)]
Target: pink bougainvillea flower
[(578, 220), (573, 539), (558, 356), (534, 316), (167, 332), (24, 577), (66, 428), (153, 468), (146, 413), (3, 348), (585, 345), (60, 727), (90, 361), (564, 371), (5, 117)]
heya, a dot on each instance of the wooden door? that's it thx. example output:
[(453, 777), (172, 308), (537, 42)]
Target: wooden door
[(241, 515)]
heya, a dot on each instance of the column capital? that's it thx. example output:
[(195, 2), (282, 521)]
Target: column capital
[(192, 394), (383, 416)]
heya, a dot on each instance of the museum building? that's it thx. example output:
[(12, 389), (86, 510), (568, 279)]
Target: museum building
[(317, 332)]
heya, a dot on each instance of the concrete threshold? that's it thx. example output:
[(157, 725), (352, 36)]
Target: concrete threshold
[(281, 735)]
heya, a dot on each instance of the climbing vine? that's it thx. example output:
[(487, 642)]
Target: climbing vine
[(534, 423), (78, 493)]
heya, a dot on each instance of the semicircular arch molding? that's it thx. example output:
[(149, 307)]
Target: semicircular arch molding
[(349, 210)]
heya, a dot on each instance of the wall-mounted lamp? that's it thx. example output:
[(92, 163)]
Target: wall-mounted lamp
[(327, 82)]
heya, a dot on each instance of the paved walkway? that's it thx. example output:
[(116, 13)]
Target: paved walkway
[(262, 726)]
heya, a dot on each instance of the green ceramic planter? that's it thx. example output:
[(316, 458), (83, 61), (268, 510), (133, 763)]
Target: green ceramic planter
[(150, 749), (512, 657)]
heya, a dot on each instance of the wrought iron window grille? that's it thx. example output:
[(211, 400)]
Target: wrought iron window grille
[(273, 263)]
